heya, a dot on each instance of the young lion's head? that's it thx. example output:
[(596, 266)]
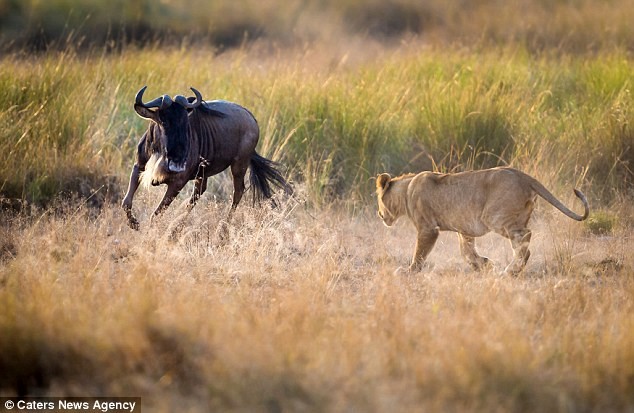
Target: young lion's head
[(392, 196), (386, 200)]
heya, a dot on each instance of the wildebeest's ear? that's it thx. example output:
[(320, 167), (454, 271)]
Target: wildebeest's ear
[(146, 113), (383, 181)]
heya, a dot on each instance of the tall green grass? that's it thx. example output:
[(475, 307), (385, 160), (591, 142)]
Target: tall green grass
[(67, 122)]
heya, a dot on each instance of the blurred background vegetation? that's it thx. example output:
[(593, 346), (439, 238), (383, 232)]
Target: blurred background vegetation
[(343, 89), (566, 25)]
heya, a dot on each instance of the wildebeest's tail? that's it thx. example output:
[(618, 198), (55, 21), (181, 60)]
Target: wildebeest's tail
[(264, 173)]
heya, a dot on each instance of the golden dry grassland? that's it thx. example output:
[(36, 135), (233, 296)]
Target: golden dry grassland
[(302, 311)]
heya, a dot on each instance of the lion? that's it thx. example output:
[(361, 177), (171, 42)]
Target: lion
[(470, 203)]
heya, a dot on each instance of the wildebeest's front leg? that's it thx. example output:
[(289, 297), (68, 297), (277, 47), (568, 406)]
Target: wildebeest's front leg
[(126, 204), (173, 189), (200, 183), (200, 186), (135, 180)]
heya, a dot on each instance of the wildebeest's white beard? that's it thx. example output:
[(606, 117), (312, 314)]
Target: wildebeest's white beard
[(153, 171)]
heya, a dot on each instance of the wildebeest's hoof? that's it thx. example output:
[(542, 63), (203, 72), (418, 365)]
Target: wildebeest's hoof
[(222, 233), (133, 223)]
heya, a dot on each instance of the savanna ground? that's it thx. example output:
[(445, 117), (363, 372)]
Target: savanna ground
[(300, 309)]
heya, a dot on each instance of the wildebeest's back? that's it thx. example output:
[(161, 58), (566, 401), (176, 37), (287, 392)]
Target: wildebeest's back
[(218, 125)]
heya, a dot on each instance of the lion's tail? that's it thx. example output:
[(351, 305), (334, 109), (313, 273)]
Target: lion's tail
[(545, 193)]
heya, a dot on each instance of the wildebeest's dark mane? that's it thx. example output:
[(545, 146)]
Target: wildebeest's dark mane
[(153, 142), (205, 109)]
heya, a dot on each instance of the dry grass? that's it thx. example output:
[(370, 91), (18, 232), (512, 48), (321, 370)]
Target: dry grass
[(300, 311)]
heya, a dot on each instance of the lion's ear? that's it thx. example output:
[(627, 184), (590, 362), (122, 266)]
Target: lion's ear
[(383, 181)]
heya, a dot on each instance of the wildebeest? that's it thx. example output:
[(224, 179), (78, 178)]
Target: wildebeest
[(190, 139)]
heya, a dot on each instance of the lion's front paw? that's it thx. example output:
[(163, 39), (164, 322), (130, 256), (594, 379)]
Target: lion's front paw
[(514, 268), (414, 268), (402, 271), (482, 264)]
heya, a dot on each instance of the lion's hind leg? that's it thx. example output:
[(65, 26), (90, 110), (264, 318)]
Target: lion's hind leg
[(520, 239), (469, 253)]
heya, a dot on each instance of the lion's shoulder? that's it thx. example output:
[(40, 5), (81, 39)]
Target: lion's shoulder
[(430, 177), (404, 177)]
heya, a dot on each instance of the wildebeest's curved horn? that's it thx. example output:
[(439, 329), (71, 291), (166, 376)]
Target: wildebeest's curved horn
[(199, 97), (139, 96), (160, 102), (185, 103)]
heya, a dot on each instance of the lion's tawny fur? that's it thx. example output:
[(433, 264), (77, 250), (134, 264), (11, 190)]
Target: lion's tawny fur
[(470, 203)]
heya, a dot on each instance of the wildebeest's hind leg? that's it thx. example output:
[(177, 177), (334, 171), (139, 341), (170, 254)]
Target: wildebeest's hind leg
[(126, 204), (238, 171)]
